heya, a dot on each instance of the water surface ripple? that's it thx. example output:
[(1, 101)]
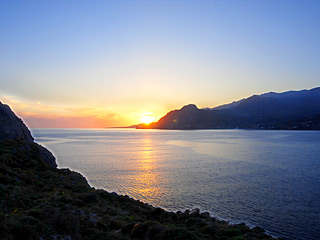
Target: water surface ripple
[(265, 178)]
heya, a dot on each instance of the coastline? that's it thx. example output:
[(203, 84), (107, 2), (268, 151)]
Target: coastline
[(278, 224), (41, 201), (47, 196)]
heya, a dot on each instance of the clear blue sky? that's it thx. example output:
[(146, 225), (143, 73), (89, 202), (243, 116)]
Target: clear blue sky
[(118, 60)]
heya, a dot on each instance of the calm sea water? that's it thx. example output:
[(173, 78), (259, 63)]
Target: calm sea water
[(265, 178)]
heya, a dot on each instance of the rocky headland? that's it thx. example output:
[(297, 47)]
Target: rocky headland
[(40, 201), (292, 110)]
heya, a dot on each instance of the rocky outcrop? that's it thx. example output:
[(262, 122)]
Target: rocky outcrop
[(44, 154), (12, 128)]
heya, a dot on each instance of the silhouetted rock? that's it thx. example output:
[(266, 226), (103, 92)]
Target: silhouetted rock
[(293, 110), (12, 127), (44, 154)]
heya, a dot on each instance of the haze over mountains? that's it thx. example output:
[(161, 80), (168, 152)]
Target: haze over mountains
[(292, 110)]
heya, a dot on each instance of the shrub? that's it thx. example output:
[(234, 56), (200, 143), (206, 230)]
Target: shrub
[(231, 232), (23, 232), (176, 234), (36, 213), (210, 230), (139, 230), (238, 238)]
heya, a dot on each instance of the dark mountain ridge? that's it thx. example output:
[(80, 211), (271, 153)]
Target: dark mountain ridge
[(292, 110)]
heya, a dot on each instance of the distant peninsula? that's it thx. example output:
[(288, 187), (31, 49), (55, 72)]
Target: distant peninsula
[(292, 110)]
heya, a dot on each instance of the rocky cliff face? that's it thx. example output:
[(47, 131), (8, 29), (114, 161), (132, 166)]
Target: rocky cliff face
[(12, 128)]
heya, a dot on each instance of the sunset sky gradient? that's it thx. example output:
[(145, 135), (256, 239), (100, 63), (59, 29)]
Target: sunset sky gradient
[(109, 63)]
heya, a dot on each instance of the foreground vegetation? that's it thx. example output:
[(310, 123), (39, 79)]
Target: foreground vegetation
[(38, 201)]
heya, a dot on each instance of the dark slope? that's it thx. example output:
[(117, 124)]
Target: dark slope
[(39, 201), (12, 127), (190, 117), (280, 105), (288, 110)]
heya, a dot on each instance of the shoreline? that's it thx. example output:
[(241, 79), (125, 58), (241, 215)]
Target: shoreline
[(230, 222), (51, 196), (281, 225)]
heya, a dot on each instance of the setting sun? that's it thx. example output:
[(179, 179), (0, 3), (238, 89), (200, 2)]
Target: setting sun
[(147, 119)]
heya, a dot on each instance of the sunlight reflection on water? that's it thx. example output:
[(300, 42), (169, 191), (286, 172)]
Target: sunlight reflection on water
[(146, 177), (266, 178)]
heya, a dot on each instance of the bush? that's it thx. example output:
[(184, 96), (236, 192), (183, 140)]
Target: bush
[(231, 232), (176, 234), (23, 232), (210, 230), (67, 225), (139, 230), (238, 238), (5, 179), (116, 223), (125, 229), (34, 212)]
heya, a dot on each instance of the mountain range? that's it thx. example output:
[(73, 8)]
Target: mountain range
[(292, 110)]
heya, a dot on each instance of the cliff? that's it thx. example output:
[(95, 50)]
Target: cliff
[(39, 201), (12, 127)]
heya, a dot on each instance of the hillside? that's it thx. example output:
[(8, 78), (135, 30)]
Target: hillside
[(293, 110)]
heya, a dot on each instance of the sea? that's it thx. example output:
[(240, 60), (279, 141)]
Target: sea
[(269, 179)]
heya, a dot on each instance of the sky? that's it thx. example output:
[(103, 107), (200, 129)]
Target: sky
[(99, 63)]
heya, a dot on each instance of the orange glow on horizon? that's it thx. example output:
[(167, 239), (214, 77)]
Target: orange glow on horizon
[(48, 115), (147, 119)]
